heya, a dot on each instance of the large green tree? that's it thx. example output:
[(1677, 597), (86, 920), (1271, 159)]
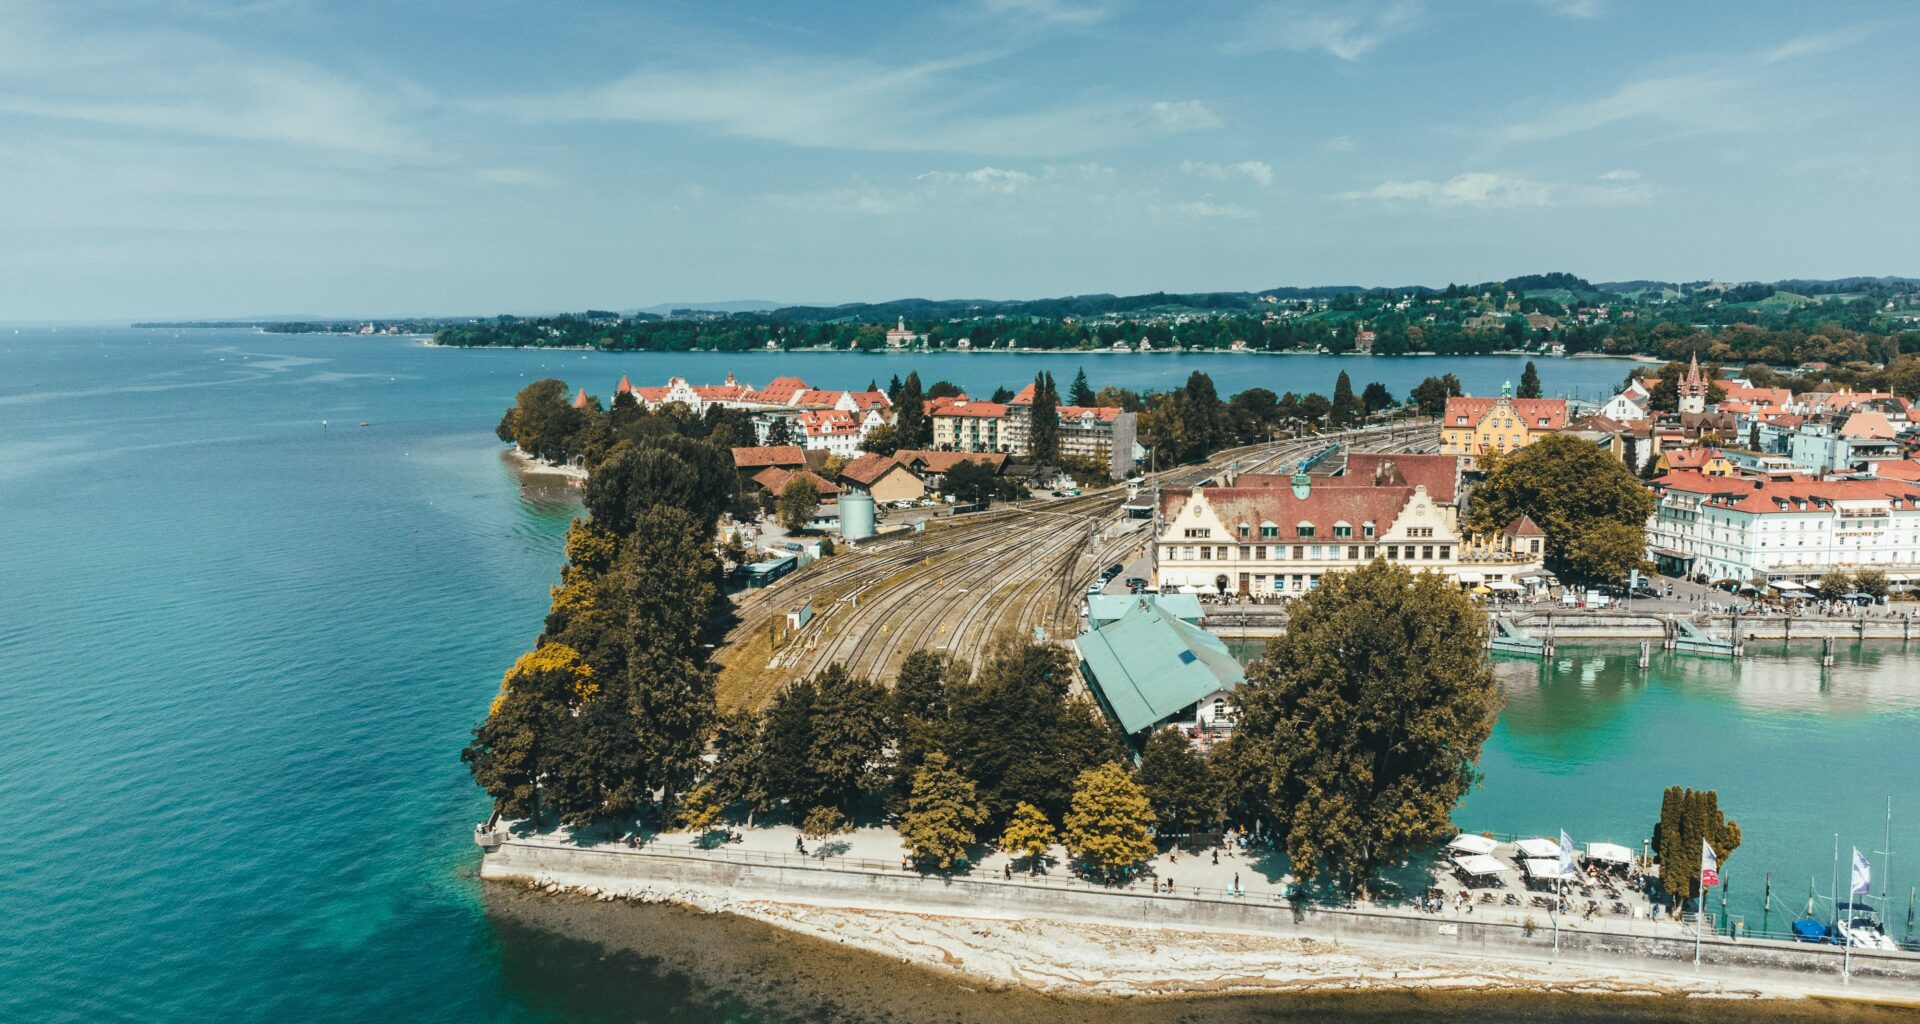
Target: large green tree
[(528, 729), (910, 415), (1181, 785), (1346, 409), (1529, 382), (543, 423), (1571, 488), (798, 503), (1359, 729), (1431, 394), (1043, 431), (1689, 817), (670, 469), (1080, 393), (822, 741)]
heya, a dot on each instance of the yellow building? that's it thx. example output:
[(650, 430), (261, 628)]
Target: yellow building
[(1472, 426)]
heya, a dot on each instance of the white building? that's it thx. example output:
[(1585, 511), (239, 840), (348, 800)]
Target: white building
[(1793, 530)]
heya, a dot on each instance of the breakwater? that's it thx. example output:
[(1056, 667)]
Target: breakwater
[(692, 875)]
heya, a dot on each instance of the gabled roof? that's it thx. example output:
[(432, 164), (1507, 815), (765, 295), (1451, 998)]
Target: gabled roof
[(966, 407), (581, 401), (1894, 469), (869, 468), (779, 391), (1868, 425), (1787, 495), (1525, 527), (921, 461), (1322, 508), (769, 455), (1148, 664), (1690, 458), (1535, 413), (1439, 474), (1105, 608), (775, 479)]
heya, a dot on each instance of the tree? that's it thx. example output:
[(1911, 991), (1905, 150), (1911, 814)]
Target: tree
[(779, 431), (1687, 818), (910, 415), (702, 810), (1346, 408), (1043, 430), (822, 822), (1017, 733), (942, 814), (919, 713), (798, 503), (1630, 451), (1833, 584), (1431, 394), (668, 469), (1002, 394), (1106, 828), (1608, 551), (1080, 393), (974, 482), (1029, 835), (822, 739), (1871, 582), (1568, 486), (1314, 408), (543, 423), (1375, 397), (882, 440), (1179, 782), (1359, 728), (1529, 382), (525, 729)]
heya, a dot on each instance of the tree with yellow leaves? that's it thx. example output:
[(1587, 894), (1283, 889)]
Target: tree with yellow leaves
[(1106, 829), (1028, 835), (526, 726)]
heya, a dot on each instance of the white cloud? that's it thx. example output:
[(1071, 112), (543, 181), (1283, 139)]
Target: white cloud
[(1340, 144), (851, 104), (1620, 175), (988, 179), (1348, 31), (1052, 12), (1253, 170), (1485, 190), (1207, 208), (1185, 115)]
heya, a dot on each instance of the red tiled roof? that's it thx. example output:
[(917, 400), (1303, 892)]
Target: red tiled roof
[(1868, 425), (1754, 495), (1894, 469), (966, 407), (1439, 474), (580, 400), (1468, 412), (1525, 527), (779, 391), (869, 468), (923, 461), (625, 385), (1322, 507), (775, 479), (825, 422), (1689, 458), (1105, 414), (769, 455)]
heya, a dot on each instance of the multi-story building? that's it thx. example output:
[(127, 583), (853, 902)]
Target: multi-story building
[(1096, 433), (1783, 530), (1473, 426), (1267, 540), (963, 424)]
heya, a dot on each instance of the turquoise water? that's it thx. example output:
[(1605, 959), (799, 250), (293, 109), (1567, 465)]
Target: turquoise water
[(239, 655)]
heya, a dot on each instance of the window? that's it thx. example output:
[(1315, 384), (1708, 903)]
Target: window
[(1269, 531), (1342, 530), (1393, 552), (1446, 551), (1193, 533), (1243, 553), (1353, 552), (1206, 553), (1303, 530), (1244, 532), (1299, 552), (1221, 553), (1366, 530), (1370, 552), (1426, 552), (1260, 552)]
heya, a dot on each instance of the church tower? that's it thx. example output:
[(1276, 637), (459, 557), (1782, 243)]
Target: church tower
[(1693, 388)]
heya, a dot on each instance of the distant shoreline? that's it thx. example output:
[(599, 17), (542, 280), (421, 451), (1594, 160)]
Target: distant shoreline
[(430, 343)]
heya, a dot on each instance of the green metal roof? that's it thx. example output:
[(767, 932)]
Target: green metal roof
[(1104, 608), (1149, 664)]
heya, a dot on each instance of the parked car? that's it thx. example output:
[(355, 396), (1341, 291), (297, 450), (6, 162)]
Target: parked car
[(1136, 583), (1112, 570)]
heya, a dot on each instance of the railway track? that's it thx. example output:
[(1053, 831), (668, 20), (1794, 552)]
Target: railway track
[(953, 589)]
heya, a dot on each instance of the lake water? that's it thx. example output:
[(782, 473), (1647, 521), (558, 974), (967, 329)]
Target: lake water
[(239, 654)]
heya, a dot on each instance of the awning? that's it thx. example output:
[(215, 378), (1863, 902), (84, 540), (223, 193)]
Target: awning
[(1478, 864), (1797, 595), (1547, 867), (1895, 577), (1467, 842), (1470, 576), (1172, 579), (1609, 853), (1503, 585), (1670, 553), (1533, 848), (1785, 585)]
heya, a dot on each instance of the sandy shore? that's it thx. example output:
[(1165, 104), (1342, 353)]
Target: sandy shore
[(829, 964)]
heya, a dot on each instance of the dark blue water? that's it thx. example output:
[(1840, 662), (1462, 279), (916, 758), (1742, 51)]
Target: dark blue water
[(239, 654)]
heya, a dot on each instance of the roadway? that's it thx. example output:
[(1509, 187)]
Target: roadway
[(1016, 567)]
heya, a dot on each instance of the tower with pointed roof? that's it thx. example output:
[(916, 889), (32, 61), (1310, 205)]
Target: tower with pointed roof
[(1693, 388)]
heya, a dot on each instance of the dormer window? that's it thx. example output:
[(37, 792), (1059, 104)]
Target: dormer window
[(1245, 531), (1342, 530), (1303, 529), (1366, 529), (1269, 531)]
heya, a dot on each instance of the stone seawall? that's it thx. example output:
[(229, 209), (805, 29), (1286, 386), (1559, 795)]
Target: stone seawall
[(726, 875)]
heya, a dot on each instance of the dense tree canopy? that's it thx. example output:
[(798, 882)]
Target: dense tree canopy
[(1359, 728), (1107, 825), (942, 814), (1571, 488), (1687, 818)]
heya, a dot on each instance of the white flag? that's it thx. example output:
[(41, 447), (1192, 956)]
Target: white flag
[(1862, 873), (1566, 853), (1709, 867)]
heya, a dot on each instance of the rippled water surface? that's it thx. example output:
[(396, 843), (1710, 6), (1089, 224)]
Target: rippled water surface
[(239, 654)]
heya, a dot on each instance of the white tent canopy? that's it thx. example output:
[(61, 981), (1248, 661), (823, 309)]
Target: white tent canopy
[(1469, 576), (1546, 867), (1785, 585), (1468, 843), (1609, 853), (1479, 864), (1539, 848), (1503, 585)]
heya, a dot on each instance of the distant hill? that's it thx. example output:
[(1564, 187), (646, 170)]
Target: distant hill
[(728, 306)]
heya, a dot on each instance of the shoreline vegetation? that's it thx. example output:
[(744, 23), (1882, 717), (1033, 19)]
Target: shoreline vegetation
[(791, 962)]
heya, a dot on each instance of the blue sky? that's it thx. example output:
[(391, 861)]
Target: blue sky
[(220, 157)]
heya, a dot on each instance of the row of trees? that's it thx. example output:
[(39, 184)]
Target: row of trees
[(1191, 421), (614, 704)]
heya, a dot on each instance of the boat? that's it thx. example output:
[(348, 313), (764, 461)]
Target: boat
[(1859, 926)]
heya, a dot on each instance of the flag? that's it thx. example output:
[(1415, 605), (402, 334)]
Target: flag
[(1709, 867), (1566, 853), (1862, 874)]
